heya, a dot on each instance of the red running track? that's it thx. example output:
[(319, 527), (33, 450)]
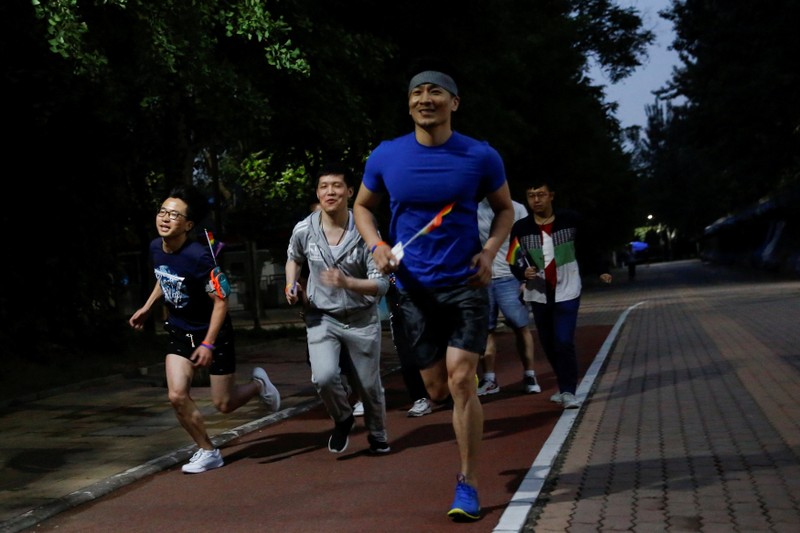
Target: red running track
[(282, 478)]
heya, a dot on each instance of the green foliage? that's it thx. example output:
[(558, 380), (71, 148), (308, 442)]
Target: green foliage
[(127, 98), (256, 180), (68, 30), (611, 34), (733, 138), (250, 19)]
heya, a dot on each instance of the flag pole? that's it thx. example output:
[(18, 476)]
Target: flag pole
[(436, 221), (210, 247)]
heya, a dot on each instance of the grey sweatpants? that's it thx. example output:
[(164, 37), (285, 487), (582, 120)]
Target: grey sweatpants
[(326, 336)]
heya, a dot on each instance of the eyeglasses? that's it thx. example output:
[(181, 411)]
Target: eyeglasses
[(538, 195), (173, 215)]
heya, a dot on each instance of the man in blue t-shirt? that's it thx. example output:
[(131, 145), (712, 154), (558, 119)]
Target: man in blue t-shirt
[(435, 178)]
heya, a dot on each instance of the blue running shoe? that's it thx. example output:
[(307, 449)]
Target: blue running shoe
[(465, 506)]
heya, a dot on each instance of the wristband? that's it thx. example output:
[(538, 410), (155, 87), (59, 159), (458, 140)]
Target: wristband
[(375, 246), (208, 345), (290, 288)]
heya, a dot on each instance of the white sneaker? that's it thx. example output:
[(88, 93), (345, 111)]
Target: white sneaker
[(358, 409), (569, 401), (487, 386), (421, 407), (531, 385), (202, 461), (269, 393), (556, 398)]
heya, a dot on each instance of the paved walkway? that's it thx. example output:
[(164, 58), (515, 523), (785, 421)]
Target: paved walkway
[(694, 424), (690, 423)]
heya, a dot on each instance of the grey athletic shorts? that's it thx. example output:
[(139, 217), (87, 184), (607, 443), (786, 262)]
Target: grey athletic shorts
[(426, 321)]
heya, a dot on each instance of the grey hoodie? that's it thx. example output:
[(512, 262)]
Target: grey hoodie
[(308, 243)]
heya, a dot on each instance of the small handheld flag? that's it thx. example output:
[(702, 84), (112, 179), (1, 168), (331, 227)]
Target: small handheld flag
[(515, 251), (211, 241), (435, 223), (397, 249)]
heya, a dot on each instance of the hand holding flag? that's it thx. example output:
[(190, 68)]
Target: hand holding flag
[(518, 256), (516, 252), (397, 249)]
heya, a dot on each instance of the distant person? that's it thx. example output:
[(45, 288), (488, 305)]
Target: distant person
[(631, 262), (546, 260), (437, 174), (505, 294), (344, 286), (199, 326)]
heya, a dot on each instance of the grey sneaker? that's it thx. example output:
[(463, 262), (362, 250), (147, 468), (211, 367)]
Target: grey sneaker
[(531, 385), (421, 407), (569, 401), (358, 409), (269, 393), (487, 386), (203, 461)]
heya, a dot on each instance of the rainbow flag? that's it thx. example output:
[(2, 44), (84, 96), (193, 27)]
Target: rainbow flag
[(212, 244), (397, 250), (437, 220), (514, 250)]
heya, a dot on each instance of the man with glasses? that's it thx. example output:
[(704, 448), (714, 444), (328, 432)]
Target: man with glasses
[(199, 326), (544, 255)]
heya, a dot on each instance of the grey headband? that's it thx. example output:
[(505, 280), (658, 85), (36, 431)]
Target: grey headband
[(437, 78)]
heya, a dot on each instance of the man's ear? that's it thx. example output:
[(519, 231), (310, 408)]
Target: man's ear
[(189, 226)]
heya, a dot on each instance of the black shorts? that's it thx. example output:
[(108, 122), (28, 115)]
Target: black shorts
[(184, 343), (426, 321)]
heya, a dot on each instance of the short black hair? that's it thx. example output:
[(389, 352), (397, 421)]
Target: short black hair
[(538, 183), (337, 169), (197, 203)]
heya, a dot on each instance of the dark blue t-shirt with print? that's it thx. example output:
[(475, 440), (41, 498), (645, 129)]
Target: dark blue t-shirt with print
[(184, 276)]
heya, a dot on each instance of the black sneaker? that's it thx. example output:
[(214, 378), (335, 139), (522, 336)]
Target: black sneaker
[(377, 446), (339, 438)]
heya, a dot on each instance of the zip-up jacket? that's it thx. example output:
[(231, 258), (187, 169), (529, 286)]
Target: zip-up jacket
[(565, 234), (309, 244)]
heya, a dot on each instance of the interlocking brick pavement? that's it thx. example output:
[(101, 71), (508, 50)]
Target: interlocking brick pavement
[(693, 425)]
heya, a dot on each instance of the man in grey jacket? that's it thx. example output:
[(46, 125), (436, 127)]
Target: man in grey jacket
[(342, 291)]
